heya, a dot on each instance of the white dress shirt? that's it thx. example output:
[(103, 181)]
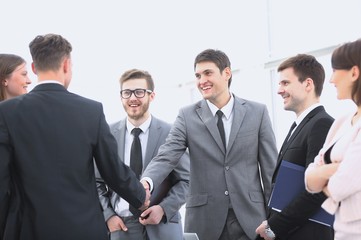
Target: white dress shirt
[(122, 208), (227, 115)]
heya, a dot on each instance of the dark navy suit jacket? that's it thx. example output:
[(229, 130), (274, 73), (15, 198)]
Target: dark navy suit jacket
[(51, 137), (302, 147)]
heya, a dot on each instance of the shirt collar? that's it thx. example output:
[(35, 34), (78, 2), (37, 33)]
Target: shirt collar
[(307, 111), (49, 81), (144, 126), (226, 109)]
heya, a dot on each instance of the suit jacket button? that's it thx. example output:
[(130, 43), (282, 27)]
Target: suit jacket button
[(226, 193), (227, 168)]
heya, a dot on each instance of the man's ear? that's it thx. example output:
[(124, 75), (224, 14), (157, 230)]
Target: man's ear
[(309, 84), (33, 68), (152, 96), (228, 72), (66, 65)]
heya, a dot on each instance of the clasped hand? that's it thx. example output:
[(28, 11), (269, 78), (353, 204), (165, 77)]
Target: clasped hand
[(147, 196)]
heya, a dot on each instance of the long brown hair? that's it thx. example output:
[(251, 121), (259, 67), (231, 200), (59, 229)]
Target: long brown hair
[(8, 64), (345, 57)]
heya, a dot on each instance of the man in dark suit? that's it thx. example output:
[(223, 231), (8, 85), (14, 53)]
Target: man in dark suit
[(231, 155), (300, 85), (51, 137), (164, 219)]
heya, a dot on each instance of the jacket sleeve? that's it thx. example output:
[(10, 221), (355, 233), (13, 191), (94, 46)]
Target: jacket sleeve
[(267, 153), (345, 183), (6, 155), (115, 173), (104, 195), (176, 196), (169, 153)]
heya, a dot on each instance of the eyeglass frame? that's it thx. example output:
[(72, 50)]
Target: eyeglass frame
[(134, 92)]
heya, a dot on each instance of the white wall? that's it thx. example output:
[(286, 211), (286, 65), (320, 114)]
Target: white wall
[(314, 27), (164, 37)]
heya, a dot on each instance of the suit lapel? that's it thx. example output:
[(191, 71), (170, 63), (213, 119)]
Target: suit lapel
[(238, 116), (299, 128), (153, 138), (342, 130), (296, 132), (119, 134), (285, 145), (210, 121)]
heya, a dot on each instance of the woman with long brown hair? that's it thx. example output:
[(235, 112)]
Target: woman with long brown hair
[(336, 170), (13, 76)]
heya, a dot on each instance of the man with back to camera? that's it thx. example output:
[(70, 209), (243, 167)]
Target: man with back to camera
[(300, 85), (232, 153), (163, 219), (52, 137)]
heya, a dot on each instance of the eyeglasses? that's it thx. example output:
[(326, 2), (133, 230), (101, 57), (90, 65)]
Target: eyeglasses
[(138, 92)]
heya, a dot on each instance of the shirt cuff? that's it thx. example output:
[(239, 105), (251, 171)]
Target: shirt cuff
[(150, 182)]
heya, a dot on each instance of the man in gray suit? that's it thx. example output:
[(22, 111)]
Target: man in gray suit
[(230, 180), (163, 220)]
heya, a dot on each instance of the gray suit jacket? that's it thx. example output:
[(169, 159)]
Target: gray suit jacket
[(172, 228), (221, 177)]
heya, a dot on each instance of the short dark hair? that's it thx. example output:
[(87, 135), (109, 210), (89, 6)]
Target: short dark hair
[(137, 73), (48, 51), (306, 66), (217, 57), (345, 57)]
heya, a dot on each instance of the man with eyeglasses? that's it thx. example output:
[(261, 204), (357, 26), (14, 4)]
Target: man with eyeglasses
[(163, 219), (138, 93)]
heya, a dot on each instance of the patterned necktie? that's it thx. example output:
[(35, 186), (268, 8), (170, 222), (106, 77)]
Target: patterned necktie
[(221, 127)]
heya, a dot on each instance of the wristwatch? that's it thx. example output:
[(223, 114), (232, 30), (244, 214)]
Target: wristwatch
[(268, 231)]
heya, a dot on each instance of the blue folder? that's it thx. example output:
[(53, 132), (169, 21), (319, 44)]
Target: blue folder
[(289, 183)]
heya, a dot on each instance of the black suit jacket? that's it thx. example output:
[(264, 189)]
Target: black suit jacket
[(302, 147), (51, 137)]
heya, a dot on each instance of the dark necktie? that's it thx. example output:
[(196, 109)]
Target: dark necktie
[(282, 151), (136, 162), (289, 134), (290, 131), (221, 127), (136, 153)]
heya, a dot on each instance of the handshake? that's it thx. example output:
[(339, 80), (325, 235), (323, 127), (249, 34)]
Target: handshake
[(147, 196), (153, 200)]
